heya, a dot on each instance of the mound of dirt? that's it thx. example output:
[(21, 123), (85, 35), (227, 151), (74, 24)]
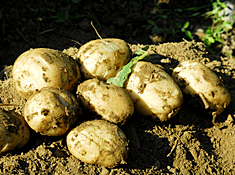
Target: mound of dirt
[(186, 144)]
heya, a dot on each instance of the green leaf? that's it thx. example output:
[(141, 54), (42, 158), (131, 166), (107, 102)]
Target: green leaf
[(178, 25), (121, 75), (195, 14), (124, 72), (215, 5), (209, 31), (218, 29), (151, 22), (186, 25), (217, 38), (189, 34), (222, 5), (148, 27), (60, 17), (145, 48), (226, 25), (164, 16), (178, 10), (211, 39)]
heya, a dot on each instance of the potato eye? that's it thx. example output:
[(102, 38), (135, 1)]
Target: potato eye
[(45, 112)]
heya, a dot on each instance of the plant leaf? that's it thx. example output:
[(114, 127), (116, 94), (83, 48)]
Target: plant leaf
[(121, 75), (211, 39), (151, 22), (124, 72), (189, 34), (186, 25)]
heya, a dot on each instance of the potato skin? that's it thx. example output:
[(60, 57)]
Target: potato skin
[(198, 80), (153, 91), (43, 67), (102, 58), (109, 101), (51, 111), (14, 131), (98, 142)]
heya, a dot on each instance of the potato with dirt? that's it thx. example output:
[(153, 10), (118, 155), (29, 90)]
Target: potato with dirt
[(200, 82), (51, 111), (110, 102), (43, 67), (98, 142), (153, 91), (14, 131), (102, 58)]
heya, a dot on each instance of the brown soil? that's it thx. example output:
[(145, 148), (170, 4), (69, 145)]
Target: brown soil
[(186, 144)]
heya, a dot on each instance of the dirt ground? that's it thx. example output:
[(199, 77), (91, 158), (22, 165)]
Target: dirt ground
[(186, 144)]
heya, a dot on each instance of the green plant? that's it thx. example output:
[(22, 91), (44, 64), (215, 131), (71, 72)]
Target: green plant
[(37, 32), (168, 22), (34, 10), (187, 32), (123, 73), (61, 16), (219, 25)]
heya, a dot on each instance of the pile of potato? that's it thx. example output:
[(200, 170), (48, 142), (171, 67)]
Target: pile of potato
[(58, 87)]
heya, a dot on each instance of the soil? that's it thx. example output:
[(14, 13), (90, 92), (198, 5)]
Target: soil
[(186, 144)]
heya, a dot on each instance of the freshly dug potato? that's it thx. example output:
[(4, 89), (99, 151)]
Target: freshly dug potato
[(98, 142), (109, 101), (102, 58), (14, 131), (153, 91), (43, 67), (198, 80), (51, 111)]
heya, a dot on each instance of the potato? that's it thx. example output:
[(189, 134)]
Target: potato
[(153, 91), (197, 80), (98, 142), (108, 101), (43, 67), (14, 131), (51, 111), (102, 58)]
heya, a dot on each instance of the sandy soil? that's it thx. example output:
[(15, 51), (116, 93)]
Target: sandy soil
[(188, 143)]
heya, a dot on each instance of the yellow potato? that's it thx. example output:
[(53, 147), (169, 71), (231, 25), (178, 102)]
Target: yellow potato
[(51, 111), (43, 67), (98, 142), (109, 101), (199, 81), (102, 58), (14, 131), (153, 91)]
